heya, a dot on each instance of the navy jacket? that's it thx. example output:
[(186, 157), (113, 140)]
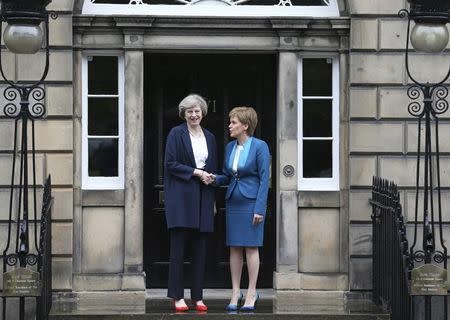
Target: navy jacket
[(253, 178), (189, 203)]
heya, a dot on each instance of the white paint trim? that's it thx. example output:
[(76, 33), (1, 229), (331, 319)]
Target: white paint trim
[(319, 184), (103, 183), (243, 10)]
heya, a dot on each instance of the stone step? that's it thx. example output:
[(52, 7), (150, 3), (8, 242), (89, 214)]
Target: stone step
[(285, 306), (220, 316)]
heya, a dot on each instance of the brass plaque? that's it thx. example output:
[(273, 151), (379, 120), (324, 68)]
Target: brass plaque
[(21, 282), (429, 280)]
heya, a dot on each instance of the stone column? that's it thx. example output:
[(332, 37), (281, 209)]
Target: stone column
[(77, 131), (134, 164), (286, 275)]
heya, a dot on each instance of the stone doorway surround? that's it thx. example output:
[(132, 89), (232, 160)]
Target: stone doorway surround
[(98, 280)]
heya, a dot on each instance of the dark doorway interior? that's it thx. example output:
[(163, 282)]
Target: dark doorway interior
[(225, 81)]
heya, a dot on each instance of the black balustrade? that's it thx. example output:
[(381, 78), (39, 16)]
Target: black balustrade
[(38, 259), (391, 258), (44, 301)]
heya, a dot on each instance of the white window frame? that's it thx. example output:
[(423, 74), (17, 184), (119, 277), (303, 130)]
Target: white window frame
[(242, 10), (103, 183), (319, 184)]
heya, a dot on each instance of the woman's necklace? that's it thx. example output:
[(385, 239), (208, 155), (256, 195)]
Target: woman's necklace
[(196, 134)]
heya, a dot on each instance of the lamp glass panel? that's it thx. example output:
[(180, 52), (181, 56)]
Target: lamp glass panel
[(103, 157), (317, 159), (103, 116), (317, 77), (23, 38), (103, 75), (317, 118), (427, 37)]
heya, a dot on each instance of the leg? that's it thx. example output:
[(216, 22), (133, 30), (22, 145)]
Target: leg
[(198, 264), (175, 286), (236, 262), (252, 254)]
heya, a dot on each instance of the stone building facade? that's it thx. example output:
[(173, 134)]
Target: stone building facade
[(322, 243)]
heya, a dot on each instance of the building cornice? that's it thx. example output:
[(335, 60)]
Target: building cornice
[(209, 33), (211, 23)]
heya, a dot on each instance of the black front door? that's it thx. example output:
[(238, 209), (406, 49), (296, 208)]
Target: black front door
[(225, 81)]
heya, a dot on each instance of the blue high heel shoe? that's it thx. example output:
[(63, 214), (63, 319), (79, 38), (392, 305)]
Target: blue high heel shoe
[(250, 308), (235, 307)]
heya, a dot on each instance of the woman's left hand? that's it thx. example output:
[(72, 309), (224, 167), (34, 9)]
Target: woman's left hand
[(257, 218)]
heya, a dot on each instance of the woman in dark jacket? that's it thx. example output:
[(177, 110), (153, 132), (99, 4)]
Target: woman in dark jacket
[(191, 154)]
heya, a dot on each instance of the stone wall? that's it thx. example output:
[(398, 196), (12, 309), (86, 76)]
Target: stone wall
[(383, 136)]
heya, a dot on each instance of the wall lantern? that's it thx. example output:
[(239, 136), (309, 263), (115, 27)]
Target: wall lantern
[(430, 33), (23, 33), (26, 32), (428, 102)]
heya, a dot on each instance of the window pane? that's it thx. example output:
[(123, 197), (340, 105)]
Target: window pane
[(103, 116), (251, 2), (317, 116), (317, 79), (103, 157), (102, 73), (317, 159)]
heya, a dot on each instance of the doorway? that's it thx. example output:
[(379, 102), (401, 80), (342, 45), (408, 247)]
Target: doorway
[(225, 81)]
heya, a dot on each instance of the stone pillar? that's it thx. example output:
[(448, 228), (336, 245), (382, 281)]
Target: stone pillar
[(309, 223), (286, 275), (77, 131), (134, 164), (108, 224)]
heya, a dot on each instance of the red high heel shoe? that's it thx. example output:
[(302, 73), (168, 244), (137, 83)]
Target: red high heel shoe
[(200, 307), (180, 309)]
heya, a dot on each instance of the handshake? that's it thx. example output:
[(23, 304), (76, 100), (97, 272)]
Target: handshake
[(206, 177)]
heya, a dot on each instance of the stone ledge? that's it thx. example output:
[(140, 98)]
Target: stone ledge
[(103, 198), (319, 199), (135, 298), (310, 281), (290, 300), (109, 283)]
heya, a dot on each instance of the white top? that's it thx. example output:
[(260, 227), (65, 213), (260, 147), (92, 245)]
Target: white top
[(200, 149), (237, 154)]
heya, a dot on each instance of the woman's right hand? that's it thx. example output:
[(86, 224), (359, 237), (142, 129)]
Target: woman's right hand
[(208, 178)]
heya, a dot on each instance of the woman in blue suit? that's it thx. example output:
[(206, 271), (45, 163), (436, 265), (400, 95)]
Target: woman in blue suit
[(190, 155), (246, 171)]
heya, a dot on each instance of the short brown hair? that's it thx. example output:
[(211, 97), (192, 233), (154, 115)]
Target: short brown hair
[(247, 116)]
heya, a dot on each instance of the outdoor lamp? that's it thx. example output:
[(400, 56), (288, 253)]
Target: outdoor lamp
[(23, 33), (429, 37), (430, 33)]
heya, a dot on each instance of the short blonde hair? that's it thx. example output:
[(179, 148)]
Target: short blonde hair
[(191, 101), (247, 116)]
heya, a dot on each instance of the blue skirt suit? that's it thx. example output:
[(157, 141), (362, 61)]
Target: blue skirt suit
[(247, 192)]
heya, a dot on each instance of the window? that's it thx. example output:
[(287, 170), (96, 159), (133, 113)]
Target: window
[(318, 124), (103, 122), (247, 8)]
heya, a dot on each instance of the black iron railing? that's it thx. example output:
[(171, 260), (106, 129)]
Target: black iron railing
[(44, 301), (40, 261), (391, 258)]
